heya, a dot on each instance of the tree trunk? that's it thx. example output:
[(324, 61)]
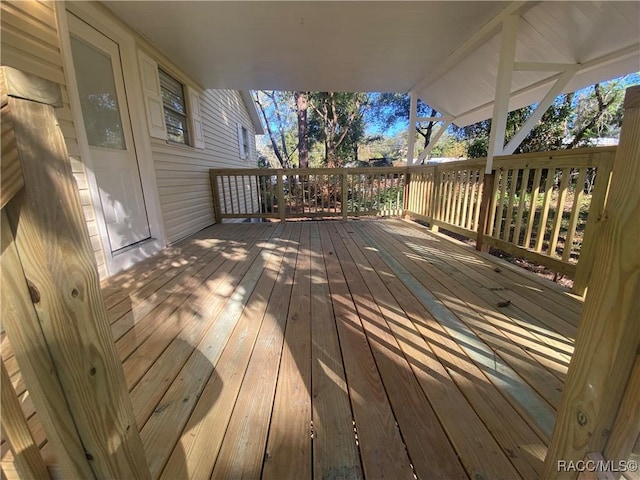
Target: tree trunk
[(303, 141)]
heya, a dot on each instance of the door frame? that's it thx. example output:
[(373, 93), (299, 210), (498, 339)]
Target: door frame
[(93, 15)]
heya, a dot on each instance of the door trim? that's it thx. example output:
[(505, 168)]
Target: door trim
[(92, 15)]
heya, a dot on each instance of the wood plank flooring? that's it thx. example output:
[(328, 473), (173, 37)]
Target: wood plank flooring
[(336, 350)]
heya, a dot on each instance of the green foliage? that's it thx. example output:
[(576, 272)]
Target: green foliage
[(336, 120)]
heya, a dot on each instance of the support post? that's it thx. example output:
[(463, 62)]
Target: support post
[(53, 310), (411, 140), (344, 195), (608, 338), (215, 190), (503, 89), (280, 187), (485, 209)]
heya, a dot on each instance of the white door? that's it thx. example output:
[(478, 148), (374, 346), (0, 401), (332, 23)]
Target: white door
[(98, 69)]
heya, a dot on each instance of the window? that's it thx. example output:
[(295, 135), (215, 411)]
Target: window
[(175, 110), (243, 142)]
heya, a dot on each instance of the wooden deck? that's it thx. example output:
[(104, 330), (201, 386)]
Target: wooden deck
[(337, 350)]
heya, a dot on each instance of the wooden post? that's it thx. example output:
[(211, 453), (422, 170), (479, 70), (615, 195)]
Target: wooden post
[(280, 187), (608, 338), (485, 209), (407, 193), (434, 205), (53, 309), (215, 190), (26, 455), (344, 195)]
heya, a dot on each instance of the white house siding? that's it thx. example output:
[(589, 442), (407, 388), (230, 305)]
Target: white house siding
[(182, 173), (30, 43)]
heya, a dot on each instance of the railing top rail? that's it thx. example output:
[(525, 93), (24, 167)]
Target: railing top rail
[(580, 156), (559, 153), (309, 171)]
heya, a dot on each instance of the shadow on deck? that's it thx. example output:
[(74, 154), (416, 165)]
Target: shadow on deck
[(370, 348)]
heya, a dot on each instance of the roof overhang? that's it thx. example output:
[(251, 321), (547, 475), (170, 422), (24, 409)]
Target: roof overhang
[(253, 111), (446, 51)]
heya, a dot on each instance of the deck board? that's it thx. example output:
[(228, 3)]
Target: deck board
[(338, 350)]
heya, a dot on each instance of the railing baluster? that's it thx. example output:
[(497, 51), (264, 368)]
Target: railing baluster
[(557, 222), (544, 212), (224, 193), (493, 202), (575, 214), (523, 194), (532, 207), (500, 205), (512, 192)]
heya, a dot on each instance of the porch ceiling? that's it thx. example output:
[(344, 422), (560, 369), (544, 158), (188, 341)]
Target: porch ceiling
[(445, 51)]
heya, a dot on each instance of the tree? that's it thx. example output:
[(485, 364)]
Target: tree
[(337, 121), (277, 112), (582, 116), (598, 112), (393, 109), (303, 129)]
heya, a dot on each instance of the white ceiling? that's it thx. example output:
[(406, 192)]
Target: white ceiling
[(447, 51)]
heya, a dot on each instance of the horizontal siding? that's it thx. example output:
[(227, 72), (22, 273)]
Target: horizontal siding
[(30, 43), (182, 173)]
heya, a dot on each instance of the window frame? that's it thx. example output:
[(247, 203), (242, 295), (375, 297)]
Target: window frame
[(186, 117)]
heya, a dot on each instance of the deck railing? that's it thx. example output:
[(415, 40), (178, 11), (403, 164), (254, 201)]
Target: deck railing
[(308, 192), (541, 206)]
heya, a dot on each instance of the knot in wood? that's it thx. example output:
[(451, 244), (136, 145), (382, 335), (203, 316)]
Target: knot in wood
[(33, 292), (582, 418)]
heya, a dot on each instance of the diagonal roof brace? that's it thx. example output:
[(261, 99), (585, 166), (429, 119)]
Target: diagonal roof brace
[(435, 137), (413, 121), (506, 66), (542, 107)]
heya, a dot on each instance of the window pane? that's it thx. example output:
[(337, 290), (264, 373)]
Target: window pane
[(98, 98), (172, 93), (176, 127), (175, 111)]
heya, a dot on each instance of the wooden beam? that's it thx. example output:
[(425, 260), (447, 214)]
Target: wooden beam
[(486, 203), (70, 322), (20, 320), (608, 338), (26, 455), (411, 134), (503, 89), (544, 66), (542, 107), (434, 140), (215, 190)]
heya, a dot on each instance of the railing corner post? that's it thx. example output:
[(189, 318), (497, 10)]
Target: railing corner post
[(485, 208), (281, 206), (343, 195), (217, 212)]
